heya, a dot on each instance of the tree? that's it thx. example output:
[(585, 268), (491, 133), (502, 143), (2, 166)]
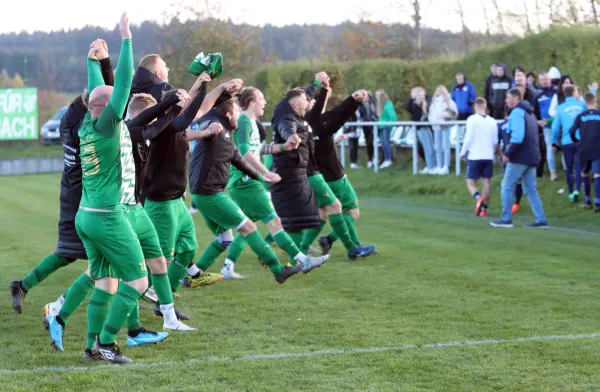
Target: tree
[(487, 20), (418, 27), (465, 31), (499, 16), (370, 40), (6, 81), (594, 12)]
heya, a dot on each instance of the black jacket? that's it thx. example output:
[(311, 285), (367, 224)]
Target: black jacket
[(367, 112), (146, 82), (588, 124), (416, 111), (286, 123), (499, 85), (212, 158), (312, 118), (328, 124)]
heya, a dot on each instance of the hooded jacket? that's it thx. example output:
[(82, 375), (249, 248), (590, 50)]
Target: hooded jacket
[(523, 136), (146, 82), (442, 110), (287, 122), (464, 96), (566, 113), (499, 85)]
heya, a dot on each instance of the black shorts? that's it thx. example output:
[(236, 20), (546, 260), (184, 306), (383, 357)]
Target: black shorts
[(477, 169), (69, 244)]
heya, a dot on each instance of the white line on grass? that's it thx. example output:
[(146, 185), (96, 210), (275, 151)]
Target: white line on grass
[(259, 357)]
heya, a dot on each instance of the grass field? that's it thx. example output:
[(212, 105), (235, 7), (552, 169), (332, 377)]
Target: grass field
[(449, 304), (29, 149)]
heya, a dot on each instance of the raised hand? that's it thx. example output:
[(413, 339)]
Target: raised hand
[(204, 77), (271, 178), (183, 97), (359, 95), (214, 129), (124, 26), (101, 49), (233, 85), (322, 77), (341, 138)]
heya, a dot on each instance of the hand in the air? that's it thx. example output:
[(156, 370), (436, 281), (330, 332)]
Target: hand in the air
[(183, 97), (124, 26), (360, 95), (234, 85), (214, 129)]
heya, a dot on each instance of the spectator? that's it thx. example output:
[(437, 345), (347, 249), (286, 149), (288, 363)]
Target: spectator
[(487, 92), (531, 78), (542, 107), (521, 157), (566, 113), (500, 84), (385, 112), (559, 98), (504, 139), (529, 93), (443, 108), (418, 106), (518, 68), (367, 112), (554, 75), (463, 94)]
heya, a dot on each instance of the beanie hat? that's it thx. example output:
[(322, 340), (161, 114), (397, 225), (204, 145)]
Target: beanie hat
[(554, 73)]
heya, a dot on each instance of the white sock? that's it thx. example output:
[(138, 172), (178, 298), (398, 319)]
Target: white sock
[(229, 263), (301, 258), (168, 312), (60, 300), (193, 270)]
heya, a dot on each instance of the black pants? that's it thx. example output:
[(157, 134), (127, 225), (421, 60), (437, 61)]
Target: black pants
[(540, 168), (463, 116), (368, 132)]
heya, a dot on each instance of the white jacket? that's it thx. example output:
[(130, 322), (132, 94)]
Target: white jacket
[(481, 138), (442, 110)]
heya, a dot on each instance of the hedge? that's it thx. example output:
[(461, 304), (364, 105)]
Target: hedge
[(574, 51)]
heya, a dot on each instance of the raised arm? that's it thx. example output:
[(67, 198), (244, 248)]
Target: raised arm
[(107, 72), (160, 126), (189, 115), (317, 110), (94, 74), (124, 74), (335, 118), (148, 115)]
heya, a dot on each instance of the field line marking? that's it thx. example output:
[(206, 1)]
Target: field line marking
[(350, 351)]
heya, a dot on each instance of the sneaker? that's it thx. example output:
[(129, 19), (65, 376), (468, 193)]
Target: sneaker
[(354, 166), (18, 295), (229, 274), (51, 309), (178, 326), (110, 353), (313, 262), (478, 206), (501, 223), (483, 214), (90, 356), (180, 316), (385, 164), (312, 250), (370, 164), (435, 170), (287, 272), (573, 198), (537, 225), (425, 171), (192, 210), (553, 176), (367, 250), (56, 332), (515, 208), (587, 205), (201, 279), (325, 243), (444, 171), (150, 295), (146, 337), (361, 252)]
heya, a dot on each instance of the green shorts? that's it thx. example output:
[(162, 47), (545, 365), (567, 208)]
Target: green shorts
[(252, 198), (112, 246), (174, 225), (323, 193), (219, 212), (145, 231), (343, 190)]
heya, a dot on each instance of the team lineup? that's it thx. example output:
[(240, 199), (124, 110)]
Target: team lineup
[(127, 167)]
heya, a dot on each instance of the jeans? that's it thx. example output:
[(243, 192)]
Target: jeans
[(442, 147), (386, 144), (550, 154), (571, 155), (426, 140), (514, 172)]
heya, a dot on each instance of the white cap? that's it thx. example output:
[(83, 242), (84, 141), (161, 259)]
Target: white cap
[(554, 73)]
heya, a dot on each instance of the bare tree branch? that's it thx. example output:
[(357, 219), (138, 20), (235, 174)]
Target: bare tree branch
[(594, 11), (465, 31), (499, 16), (487, 20)]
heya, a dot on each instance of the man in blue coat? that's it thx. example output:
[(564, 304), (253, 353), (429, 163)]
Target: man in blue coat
[(463, 94)]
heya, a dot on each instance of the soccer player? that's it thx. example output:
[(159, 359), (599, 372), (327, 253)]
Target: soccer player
[(479, 146), (209, 174), (586, 131), (250, 195), (69, 246), (563, 121)]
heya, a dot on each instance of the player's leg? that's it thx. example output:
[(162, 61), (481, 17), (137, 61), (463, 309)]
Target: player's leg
[(486, 173), (596, 174), (577, 169), (473, 174), (586, 168), (569, 163)]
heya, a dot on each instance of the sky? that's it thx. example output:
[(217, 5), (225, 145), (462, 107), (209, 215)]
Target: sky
[(70, 14)]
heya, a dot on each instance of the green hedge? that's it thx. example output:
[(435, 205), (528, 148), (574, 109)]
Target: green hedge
[(574, 50)]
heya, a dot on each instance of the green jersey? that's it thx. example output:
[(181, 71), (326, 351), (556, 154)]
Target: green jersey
[(246, 138)]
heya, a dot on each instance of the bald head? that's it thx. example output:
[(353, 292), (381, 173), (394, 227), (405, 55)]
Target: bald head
[(99, 99)]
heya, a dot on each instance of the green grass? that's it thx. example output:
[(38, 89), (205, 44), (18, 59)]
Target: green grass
[(441, 275), (30, 149)]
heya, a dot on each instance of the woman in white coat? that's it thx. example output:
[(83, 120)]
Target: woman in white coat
[(443, 108)]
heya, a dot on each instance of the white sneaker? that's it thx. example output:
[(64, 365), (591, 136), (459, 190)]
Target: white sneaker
[(192, 210), (435, 171), (425, 171), (444, 171), (150, 295), (370, 164), (178, 326), (354, 166), (313, 262), (52, 309), (229, 274), (386, 164)]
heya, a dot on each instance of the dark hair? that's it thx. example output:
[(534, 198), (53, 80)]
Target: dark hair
[(569, 91), (531, 74), (518, 68), (560, 85), (515, 92), (226, 106), (294, 93), (589, 97), (247, 96)]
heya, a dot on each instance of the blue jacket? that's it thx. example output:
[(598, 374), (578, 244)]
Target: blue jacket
[(544, 99), (464, 96), (566, 113), (503, 137), (524, 142)]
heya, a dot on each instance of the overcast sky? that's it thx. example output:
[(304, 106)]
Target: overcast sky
[(70, 14)]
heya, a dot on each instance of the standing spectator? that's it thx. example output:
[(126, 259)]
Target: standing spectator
[(481, 142), (443, 108), (529, 93), (559, 98), (487, 92), (566, 113), (546, 92), (367, 112), (531, 78), (463, 94), (385, 112), (418, 107), (500, 84), (518, 68), (521, 157), (554, 75)]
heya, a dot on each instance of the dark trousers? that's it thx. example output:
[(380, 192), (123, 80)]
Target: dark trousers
[(571, 155), (463, 116), (368, 132), (540, 168)]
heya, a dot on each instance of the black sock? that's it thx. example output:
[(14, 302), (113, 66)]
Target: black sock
[(519, 193), (477, 195), (484, 206), (135, 333), (60, 321), (21, 285)]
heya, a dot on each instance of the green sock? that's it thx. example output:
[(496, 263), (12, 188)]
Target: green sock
[(285, 242), (210, 255), (264, 251), (47, 266), (339, 226), (126, 299), (162, 288), (332, 236), (296, 236), (75, 296), (310, 236), (351, 229), (133, 321), (269, 239), (236, 248), (96, 315), (178, 268)]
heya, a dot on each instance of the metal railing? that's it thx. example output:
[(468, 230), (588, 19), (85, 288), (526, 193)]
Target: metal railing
[(404, 135)]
